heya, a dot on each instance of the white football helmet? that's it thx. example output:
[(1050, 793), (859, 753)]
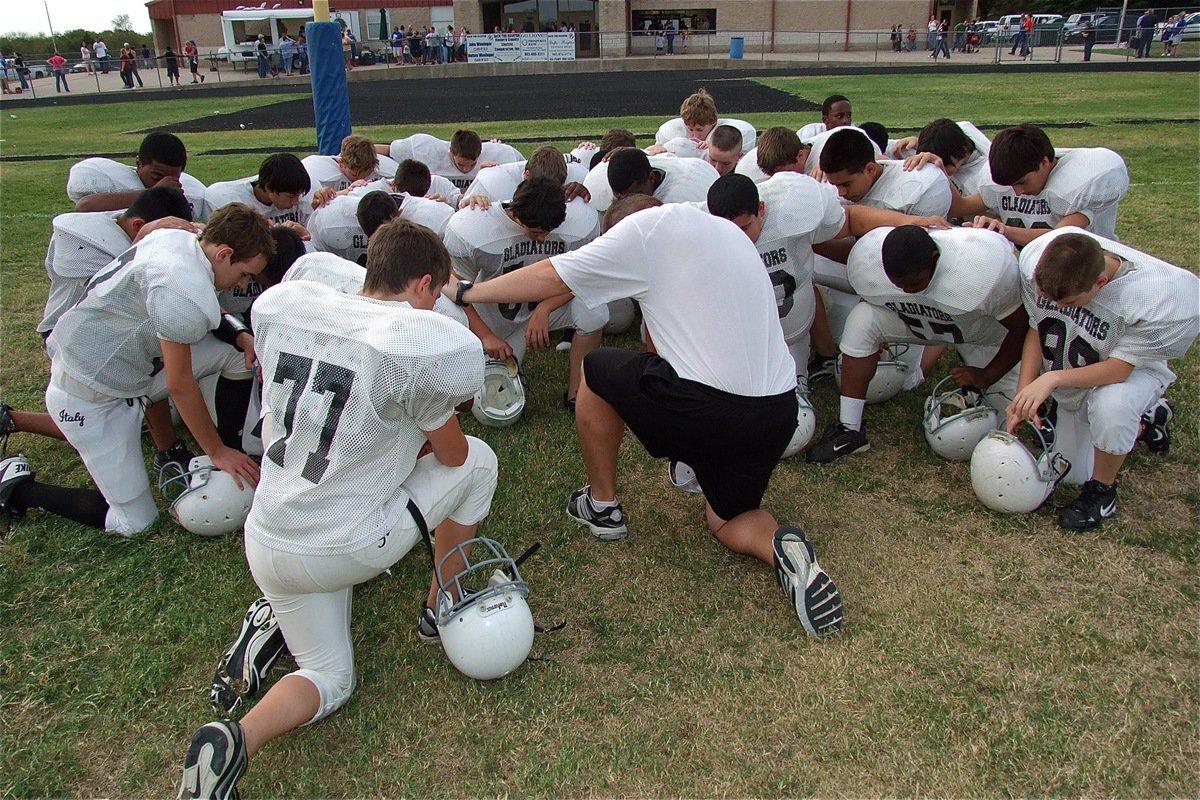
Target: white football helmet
[(500, 402), (621, 314), (956, 420), (488, 632), (1007, 477), (206, 501), (890, 374), (806, 425)]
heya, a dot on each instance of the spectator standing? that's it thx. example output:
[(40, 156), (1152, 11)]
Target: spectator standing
[(353, 46), (416, 45), (931, 36), (911, 37), (59, 65), (397, 42), (287, 53), (940, 44), (302, 53), (1176, 34), (670, 34), (960, 36), (894, 37), (85, 53), (1088, 34), (5, 65), (193, 57), (101, 50), (147, 63), (346, 57), (171, 59), (462, 42), (262, 55), (134, 73), (125, 60), (18, 63), (1146, 24)]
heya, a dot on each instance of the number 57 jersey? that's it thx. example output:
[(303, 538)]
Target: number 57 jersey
[(1147, 314), (350, 385)]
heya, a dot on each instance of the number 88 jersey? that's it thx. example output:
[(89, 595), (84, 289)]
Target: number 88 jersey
[(350, 385), (1148, 313)]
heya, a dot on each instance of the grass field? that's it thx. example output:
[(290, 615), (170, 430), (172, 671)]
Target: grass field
[(983, 655)]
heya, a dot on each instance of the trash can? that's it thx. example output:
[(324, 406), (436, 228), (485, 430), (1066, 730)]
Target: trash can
[(737, 46)]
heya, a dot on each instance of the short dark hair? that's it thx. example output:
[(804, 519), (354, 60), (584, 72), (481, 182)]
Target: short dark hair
[(1069, 266), (402, 251), (288, 247), (413, 177), (827, 106), (626, 167), (539, 203), (466, 144), (846, 151), (777, 148), (732, 195), (283, 172), (374, 209), (1018, 151), (163, 148), (726, 137), (158, 202), (908, 253), (241, 227), (627, 206), (946, 140), (877, 133)]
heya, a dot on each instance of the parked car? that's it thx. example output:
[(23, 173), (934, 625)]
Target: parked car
[(1192, 31), (77, 67), (1105, 29), (1075, 22), (38, 69), (989, 31)]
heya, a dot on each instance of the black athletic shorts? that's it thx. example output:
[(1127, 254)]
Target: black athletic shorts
[(731, 441)]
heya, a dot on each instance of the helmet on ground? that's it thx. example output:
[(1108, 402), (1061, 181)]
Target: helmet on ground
[(621, 314), (500, 401), (890, 374), (206, 501), (806, 425), (1008, 477), (956, 420), (487, 631)]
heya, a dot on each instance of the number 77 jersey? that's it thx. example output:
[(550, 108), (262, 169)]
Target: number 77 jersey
[(350, 385), (1148, 313)]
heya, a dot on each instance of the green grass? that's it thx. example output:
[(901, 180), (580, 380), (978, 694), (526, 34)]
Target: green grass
[(984, 655)]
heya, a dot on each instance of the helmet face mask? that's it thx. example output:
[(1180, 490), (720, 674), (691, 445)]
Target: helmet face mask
[(484, 623), (500, 401), (205, 500), (1008, 477), (890, 373), (955, 421)]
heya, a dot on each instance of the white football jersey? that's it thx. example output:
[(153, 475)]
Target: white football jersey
[(676, 129), (242, 191), (487, 243), (975, 285), (798, 212), (435, 154), (811, 130), (81, 244), (817, 142), (437, 185), (499, 183), (748, 166), (347, 277), (1086, 180), (685, 180), (1148, 313), (103, 175), (350, 386), (334, 227), (924, 191), (161, 288)]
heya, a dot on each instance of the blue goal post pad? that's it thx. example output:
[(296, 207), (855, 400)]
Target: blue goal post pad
[(331, 98)]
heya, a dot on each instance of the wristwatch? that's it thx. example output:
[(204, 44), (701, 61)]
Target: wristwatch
[(458, 293)]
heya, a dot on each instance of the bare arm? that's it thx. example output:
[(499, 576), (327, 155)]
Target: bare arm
[(448, 444), (534, 282), (863, 219), (1011, 349)]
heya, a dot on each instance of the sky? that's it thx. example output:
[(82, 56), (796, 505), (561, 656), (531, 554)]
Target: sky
[(29, 16)]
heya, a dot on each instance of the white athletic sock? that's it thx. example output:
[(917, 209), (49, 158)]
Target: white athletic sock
[(851, 412), (601, 505)]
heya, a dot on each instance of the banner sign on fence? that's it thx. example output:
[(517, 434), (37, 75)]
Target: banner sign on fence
[(483, 48)]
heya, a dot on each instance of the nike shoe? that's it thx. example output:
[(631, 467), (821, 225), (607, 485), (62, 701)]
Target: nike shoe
[(244, 666), (427, 627), (215, 762), (815, 597), (1156, 427), (14, 470), (175, 454), (1096, 502), (683, 477), (608, 524), (837, 441), (821, 367)]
